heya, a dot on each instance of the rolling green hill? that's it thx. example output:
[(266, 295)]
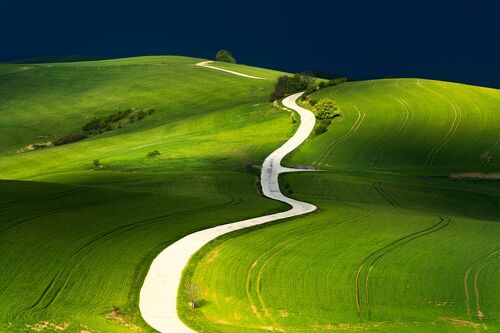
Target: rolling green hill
[(76, 241), (396, 245), (54, 58), (409, 126)]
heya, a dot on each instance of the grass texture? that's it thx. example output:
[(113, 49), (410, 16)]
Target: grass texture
[(396, 245)]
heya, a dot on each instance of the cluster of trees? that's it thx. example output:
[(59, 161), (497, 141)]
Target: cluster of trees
[(225, 56), (115, 120), (304, 81), (325, 109), (286, 85)]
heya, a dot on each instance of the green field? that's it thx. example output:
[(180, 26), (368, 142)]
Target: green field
[(76, 242), (396, 245)]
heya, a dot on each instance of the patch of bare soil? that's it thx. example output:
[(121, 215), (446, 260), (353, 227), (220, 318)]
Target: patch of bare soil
[(47, 325), (36, 146), (476, 175), (282, 313), (120, 318)]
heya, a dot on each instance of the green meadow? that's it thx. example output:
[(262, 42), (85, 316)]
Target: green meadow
[(396, 245), (76, 241)]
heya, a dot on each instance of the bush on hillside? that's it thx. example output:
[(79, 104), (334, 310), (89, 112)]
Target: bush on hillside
[(326, 108), (287, 85), (69, 139), (115, 120), (153, 154), (332, 82), (225, 56), (96, 164)]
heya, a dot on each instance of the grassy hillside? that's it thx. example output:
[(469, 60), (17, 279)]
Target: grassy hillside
[(396, 245), (409, 126), (54, 58), (76, 241)]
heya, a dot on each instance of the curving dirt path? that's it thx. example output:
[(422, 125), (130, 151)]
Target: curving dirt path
[(158, 296), (207, 63)]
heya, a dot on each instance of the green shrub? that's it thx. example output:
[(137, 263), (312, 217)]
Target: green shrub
[(225, 56), (96, 164), (153, 154), (313, 101), (332, 82), (280, 88), (115, 120), (69, 139), (326, 108)]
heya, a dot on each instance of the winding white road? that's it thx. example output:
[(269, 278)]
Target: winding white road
[(207, 63), (158, 296)]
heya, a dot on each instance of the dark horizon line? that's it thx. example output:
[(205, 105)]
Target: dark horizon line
[(328, 72)]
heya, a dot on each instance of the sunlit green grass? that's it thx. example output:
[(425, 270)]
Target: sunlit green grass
[(396, 246), (408, 126)]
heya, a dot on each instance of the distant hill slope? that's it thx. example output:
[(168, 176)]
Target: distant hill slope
[(44, 101), (53, 59), (409, 125)]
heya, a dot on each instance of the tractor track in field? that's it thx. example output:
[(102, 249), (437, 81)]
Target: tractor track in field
[(54, 288), (64, 210), (380, 190), (375, 256), (5, 205), (453, 128), (408, 115), (159, 293), (287, 245), (483, 263), (354, 128)]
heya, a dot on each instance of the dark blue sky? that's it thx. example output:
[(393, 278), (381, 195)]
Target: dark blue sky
[(444, 39)]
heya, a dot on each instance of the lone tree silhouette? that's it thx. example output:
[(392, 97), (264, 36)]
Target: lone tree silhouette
[(226, 56)]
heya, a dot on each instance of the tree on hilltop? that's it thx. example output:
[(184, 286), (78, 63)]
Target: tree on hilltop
[(225, 56)]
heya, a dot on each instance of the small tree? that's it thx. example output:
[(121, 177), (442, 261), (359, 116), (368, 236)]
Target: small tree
[(307, 77), (96, 164), (280, 87), (225, 56), (326, 108), (192, 292)]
